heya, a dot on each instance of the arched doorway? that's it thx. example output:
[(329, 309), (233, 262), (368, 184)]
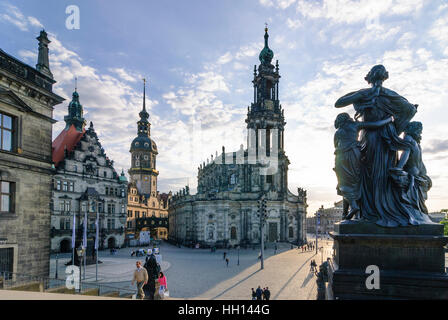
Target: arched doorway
[(65, 246), (111, 242), (291, 232), (233, 233)]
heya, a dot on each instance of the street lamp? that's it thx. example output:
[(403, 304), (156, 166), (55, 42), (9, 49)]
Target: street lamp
[(238, 255), (80, 252), (262, 213)]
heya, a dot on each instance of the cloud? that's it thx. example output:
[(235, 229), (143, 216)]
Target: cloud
[(125, 75), (227, 57), (34, 22), (436, 146), (13, 15), (293, 24), (353, 11)]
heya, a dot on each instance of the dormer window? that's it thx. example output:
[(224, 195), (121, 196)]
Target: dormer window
[(146, 144)]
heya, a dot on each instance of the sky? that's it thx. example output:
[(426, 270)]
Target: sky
[(198, 58)]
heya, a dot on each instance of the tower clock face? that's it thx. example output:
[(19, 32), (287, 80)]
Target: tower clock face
[(146, 178)]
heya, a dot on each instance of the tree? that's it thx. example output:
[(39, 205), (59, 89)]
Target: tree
[(445, 224)]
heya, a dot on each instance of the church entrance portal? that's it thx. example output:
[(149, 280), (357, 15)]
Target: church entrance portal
[(273, 236)]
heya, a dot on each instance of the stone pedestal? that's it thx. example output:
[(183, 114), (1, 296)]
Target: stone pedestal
[(411, 261)]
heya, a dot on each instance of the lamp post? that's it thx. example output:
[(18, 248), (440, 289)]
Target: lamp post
[(56, 273), (262, 214), (317, 224), (80, 252), (238, 255)]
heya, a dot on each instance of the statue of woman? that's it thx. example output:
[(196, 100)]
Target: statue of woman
[(380, 201), (348, 159)]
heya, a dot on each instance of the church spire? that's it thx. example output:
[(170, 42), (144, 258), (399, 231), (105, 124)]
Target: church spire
[(144, 115), (266, 54), (143, 123)]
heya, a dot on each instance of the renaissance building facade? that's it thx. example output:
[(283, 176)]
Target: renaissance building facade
[(225, 209), (85, 182), (147, 208), (26, 118)]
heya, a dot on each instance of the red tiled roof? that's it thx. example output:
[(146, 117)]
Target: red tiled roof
[(67, 138)]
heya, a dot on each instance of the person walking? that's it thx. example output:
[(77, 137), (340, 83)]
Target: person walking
[(262, 294), (227, 262), (254, 295), (267, 293), (224, 255), (162, 282), (141, 277), (258, 293)]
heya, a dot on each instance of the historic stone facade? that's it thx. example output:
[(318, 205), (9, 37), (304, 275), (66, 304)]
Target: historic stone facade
[(147, 208), (85, 181), (327, 218), (26, 118), (224, 210)]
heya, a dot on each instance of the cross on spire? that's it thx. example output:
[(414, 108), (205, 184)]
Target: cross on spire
[(76, 84)]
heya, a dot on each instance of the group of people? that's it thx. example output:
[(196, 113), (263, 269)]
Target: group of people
[(261, 294), (310, 246), (141, 279), (313, 266)]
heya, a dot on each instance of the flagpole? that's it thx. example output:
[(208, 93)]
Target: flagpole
[(85, 241), (73, 238), (96, 242)]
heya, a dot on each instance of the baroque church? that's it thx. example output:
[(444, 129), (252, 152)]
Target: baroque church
[(224, 212), (85, 182), (147, 208)]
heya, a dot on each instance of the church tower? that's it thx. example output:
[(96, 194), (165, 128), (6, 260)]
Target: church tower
[(265, 122), (144, 151)]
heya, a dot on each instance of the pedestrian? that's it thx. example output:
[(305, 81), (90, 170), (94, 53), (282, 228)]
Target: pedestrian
[(312, 266), (224, 255), (263, 297), (275, 249), (258, 293), (254, 295), (227, 262), (267, 293), (163, 287), (141, 277)]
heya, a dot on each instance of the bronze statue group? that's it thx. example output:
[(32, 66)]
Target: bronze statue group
[(381, 175)]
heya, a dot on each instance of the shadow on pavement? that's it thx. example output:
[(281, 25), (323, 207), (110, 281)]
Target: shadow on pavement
[(292, 277), (235, 285)]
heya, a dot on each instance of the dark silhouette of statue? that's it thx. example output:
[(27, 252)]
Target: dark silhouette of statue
[(410, 173), (348, 159), (381, 201)]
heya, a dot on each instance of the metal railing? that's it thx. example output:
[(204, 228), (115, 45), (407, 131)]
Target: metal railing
[(12, 280)]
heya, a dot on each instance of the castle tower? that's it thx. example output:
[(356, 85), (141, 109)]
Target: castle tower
[(75, 114), (144, 151), (265, 120)]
